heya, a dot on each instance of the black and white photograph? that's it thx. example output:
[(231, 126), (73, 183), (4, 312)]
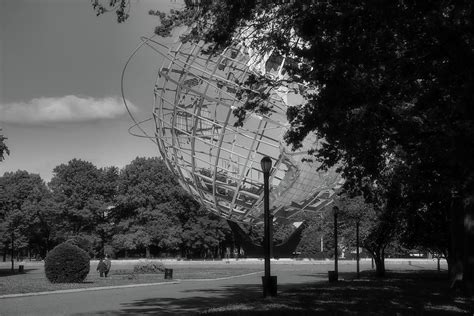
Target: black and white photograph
[(236, 157)]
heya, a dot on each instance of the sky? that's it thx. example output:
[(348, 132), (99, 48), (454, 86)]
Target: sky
[(60, 91)]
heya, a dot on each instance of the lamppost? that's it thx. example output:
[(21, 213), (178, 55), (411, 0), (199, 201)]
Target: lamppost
[(336, 270), (357, 247), (334, 275), (269, 282)]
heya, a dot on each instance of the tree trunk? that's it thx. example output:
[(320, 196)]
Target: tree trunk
[(379, 258), (147, 250), (468, 259), (13, 252), (461, 267), (379, 267), (450, 261)]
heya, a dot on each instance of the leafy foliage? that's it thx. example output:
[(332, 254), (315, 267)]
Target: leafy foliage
[(148, 267), (83, 242), (203, 232), (3, 147), (84, 194), (141, 210), (67, 263), (144, 212), (280, 231), (310, 245), (120, 7), (22, 198), (152, 211)]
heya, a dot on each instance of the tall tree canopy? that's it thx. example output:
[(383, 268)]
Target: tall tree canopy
[(84, 194), (22, 196), (153, 211), (144, 211), (3, 147), (139, 208)]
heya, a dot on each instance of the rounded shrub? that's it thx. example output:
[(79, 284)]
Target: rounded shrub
[(66, 263), (85, 243)]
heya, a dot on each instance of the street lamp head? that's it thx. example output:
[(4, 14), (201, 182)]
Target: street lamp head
[(266, 164)]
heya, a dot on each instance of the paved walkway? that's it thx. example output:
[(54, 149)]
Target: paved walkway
[(182, 297), (179, 298)]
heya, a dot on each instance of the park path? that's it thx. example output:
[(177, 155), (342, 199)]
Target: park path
[(181, 298), (184, 297)]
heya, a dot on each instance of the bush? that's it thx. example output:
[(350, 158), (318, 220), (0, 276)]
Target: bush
[(149, 267), (83, 242), (67, 263)]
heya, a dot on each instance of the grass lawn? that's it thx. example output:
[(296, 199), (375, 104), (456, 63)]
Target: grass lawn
[(34, 280), (401, 293)]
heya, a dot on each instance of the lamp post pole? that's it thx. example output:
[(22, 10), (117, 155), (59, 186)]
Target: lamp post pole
[(335, 209), (357, 247), (266, 216), (269, 282)]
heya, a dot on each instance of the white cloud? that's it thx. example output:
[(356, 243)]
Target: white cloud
[(69, 108)]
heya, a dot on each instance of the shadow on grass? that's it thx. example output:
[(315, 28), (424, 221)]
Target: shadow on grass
[(401, 293), (9, 272)]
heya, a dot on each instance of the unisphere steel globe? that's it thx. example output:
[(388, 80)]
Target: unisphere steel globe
[(218, 163)]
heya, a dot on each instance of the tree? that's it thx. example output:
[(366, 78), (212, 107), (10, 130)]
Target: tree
[(313, 243), (379, 229), (108, 188), (145, 212), (153, 212), (3, 147), (44, 229), (85, 194), (203, 234), (21, 194)]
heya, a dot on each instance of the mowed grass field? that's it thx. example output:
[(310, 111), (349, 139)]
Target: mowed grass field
[(34, 280)]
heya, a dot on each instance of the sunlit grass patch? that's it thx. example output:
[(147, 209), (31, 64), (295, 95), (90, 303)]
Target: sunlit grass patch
[(34, 279), (37, 282), (265, 307)]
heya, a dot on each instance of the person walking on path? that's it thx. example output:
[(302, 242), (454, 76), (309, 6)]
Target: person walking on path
[(102, 268), (108, 265)]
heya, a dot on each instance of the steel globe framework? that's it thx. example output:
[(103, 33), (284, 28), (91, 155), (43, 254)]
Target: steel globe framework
[(195, 95)]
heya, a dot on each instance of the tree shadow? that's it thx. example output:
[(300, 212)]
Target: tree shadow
[(203, 299), (8, 272), (413, 293)]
